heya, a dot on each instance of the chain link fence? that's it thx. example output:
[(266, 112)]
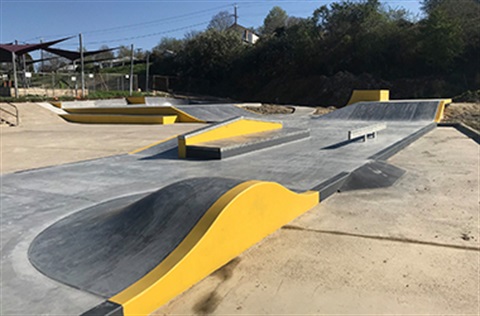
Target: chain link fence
[(67, 84)]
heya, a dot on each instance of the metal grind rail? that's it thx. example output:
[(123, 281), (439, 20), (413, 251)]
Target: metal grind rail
[(13, 111)]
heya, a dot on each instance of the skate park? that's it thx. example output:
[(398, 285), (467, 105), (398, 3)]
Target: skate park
[(126, 234)]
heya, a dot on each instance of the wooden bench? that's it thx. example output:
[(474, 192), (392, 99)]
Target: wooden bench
[(366, 132)]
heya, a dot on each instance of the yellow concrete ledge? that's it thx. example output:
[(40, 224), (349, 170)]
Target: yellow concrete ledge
[(136, 100), (119, 119), (227, 129), (240, 218), (369, 95), (57, 104), (139, 110), (441, 109)]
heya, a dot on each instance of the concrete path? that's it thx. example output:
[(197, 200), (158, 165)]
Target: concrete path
[(44, 139), (409, 249)]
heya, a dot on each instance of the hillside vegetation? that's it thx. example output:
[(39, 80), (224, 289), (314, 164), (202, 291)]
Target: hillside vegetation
[(343, 46)]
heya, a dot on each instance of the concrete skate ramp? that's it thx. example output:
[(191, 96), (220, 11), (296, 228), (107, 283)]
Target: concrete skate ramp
[(372, 175), (214, 112), (141, 251), (156, 101), (159, 101), (388, 111), (93, 103), (106, 248)]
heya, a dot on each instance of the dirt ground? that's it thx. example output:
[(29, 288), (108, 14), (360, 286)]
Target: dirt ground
[(324, 110), (266, 109), (467, 113)]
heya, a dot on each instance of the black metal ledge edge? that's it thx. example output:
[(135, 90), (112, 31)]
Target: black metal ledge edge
[(464, 129), (331, 186), (107, 308), (395, 148)]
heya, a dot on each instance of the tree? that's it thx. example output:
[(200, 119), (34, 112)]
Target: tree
[(442, 41), (124, 51), (221, 21), (208, 58), (429, 5), (105, 55), (276, 18), (168, 44)]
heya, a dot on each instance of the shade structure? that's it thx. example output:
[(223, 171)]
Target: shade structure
[(74, 55), (8, 53), (6, 50)]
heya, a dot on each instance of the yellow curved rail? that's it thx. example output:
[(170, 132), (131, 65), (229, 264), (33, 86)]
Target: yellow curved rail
[(240, 218)]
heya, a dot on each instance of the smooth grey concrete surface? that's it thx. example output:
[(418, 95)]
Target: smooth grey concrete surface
[(34, 200), (387, 111), (214, 112), (372, 175), (234, 146), (400, 250), (159, 101), (122, 240), (95, 103)]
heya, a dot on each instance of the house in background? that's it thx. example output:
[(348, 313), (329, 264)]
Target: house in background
[(248, 35)]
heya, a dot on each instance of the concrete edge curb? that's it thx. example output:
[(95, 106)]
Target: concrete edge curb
[(396, 147), (464, 129)]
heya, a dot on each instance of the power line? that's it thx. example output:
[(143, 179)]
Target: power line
[(156, 21), (135, 25), (150, 34)]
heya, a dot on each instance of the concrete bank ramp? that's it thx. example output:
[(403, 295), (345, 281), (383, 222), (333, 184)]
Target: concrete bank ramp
[(94, 103), (389, 111), (143, 250), (159, 101), (214, 112), (106, 248)]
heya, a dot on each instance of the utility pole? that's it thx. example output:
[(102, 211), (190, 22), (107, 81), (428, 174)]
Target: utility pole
[(14, 61), (41, 57), (15, 83), (24, 62), (82, 74), (147, 72), (131, 70), (235, 14)]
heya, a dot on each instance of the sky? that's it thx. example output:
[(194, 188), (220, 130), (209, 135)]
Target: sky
[(141, 23)]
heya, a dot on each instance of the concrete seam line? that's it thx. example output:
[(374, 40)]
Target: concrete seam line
[(381, 238)]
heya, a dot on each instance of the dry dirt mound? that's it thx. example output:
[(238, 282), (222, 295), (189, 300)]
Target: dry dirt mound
[(467, 113), (267, 109)]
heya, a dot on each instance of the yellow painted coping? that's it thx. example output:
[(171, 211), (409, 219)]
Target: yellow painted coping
[(240, 218), (136, 100), (441, 109), (136, 151), (57, 104), (119, 119), (369, 95), (230, 128), (141, 110)]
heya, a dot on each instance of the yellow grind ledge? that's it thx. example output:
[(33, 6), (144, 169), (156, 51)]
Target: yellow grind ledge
[(237, 220), (136, 100), (230, 128), (119, 119), (140, 110), (369, 95)]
